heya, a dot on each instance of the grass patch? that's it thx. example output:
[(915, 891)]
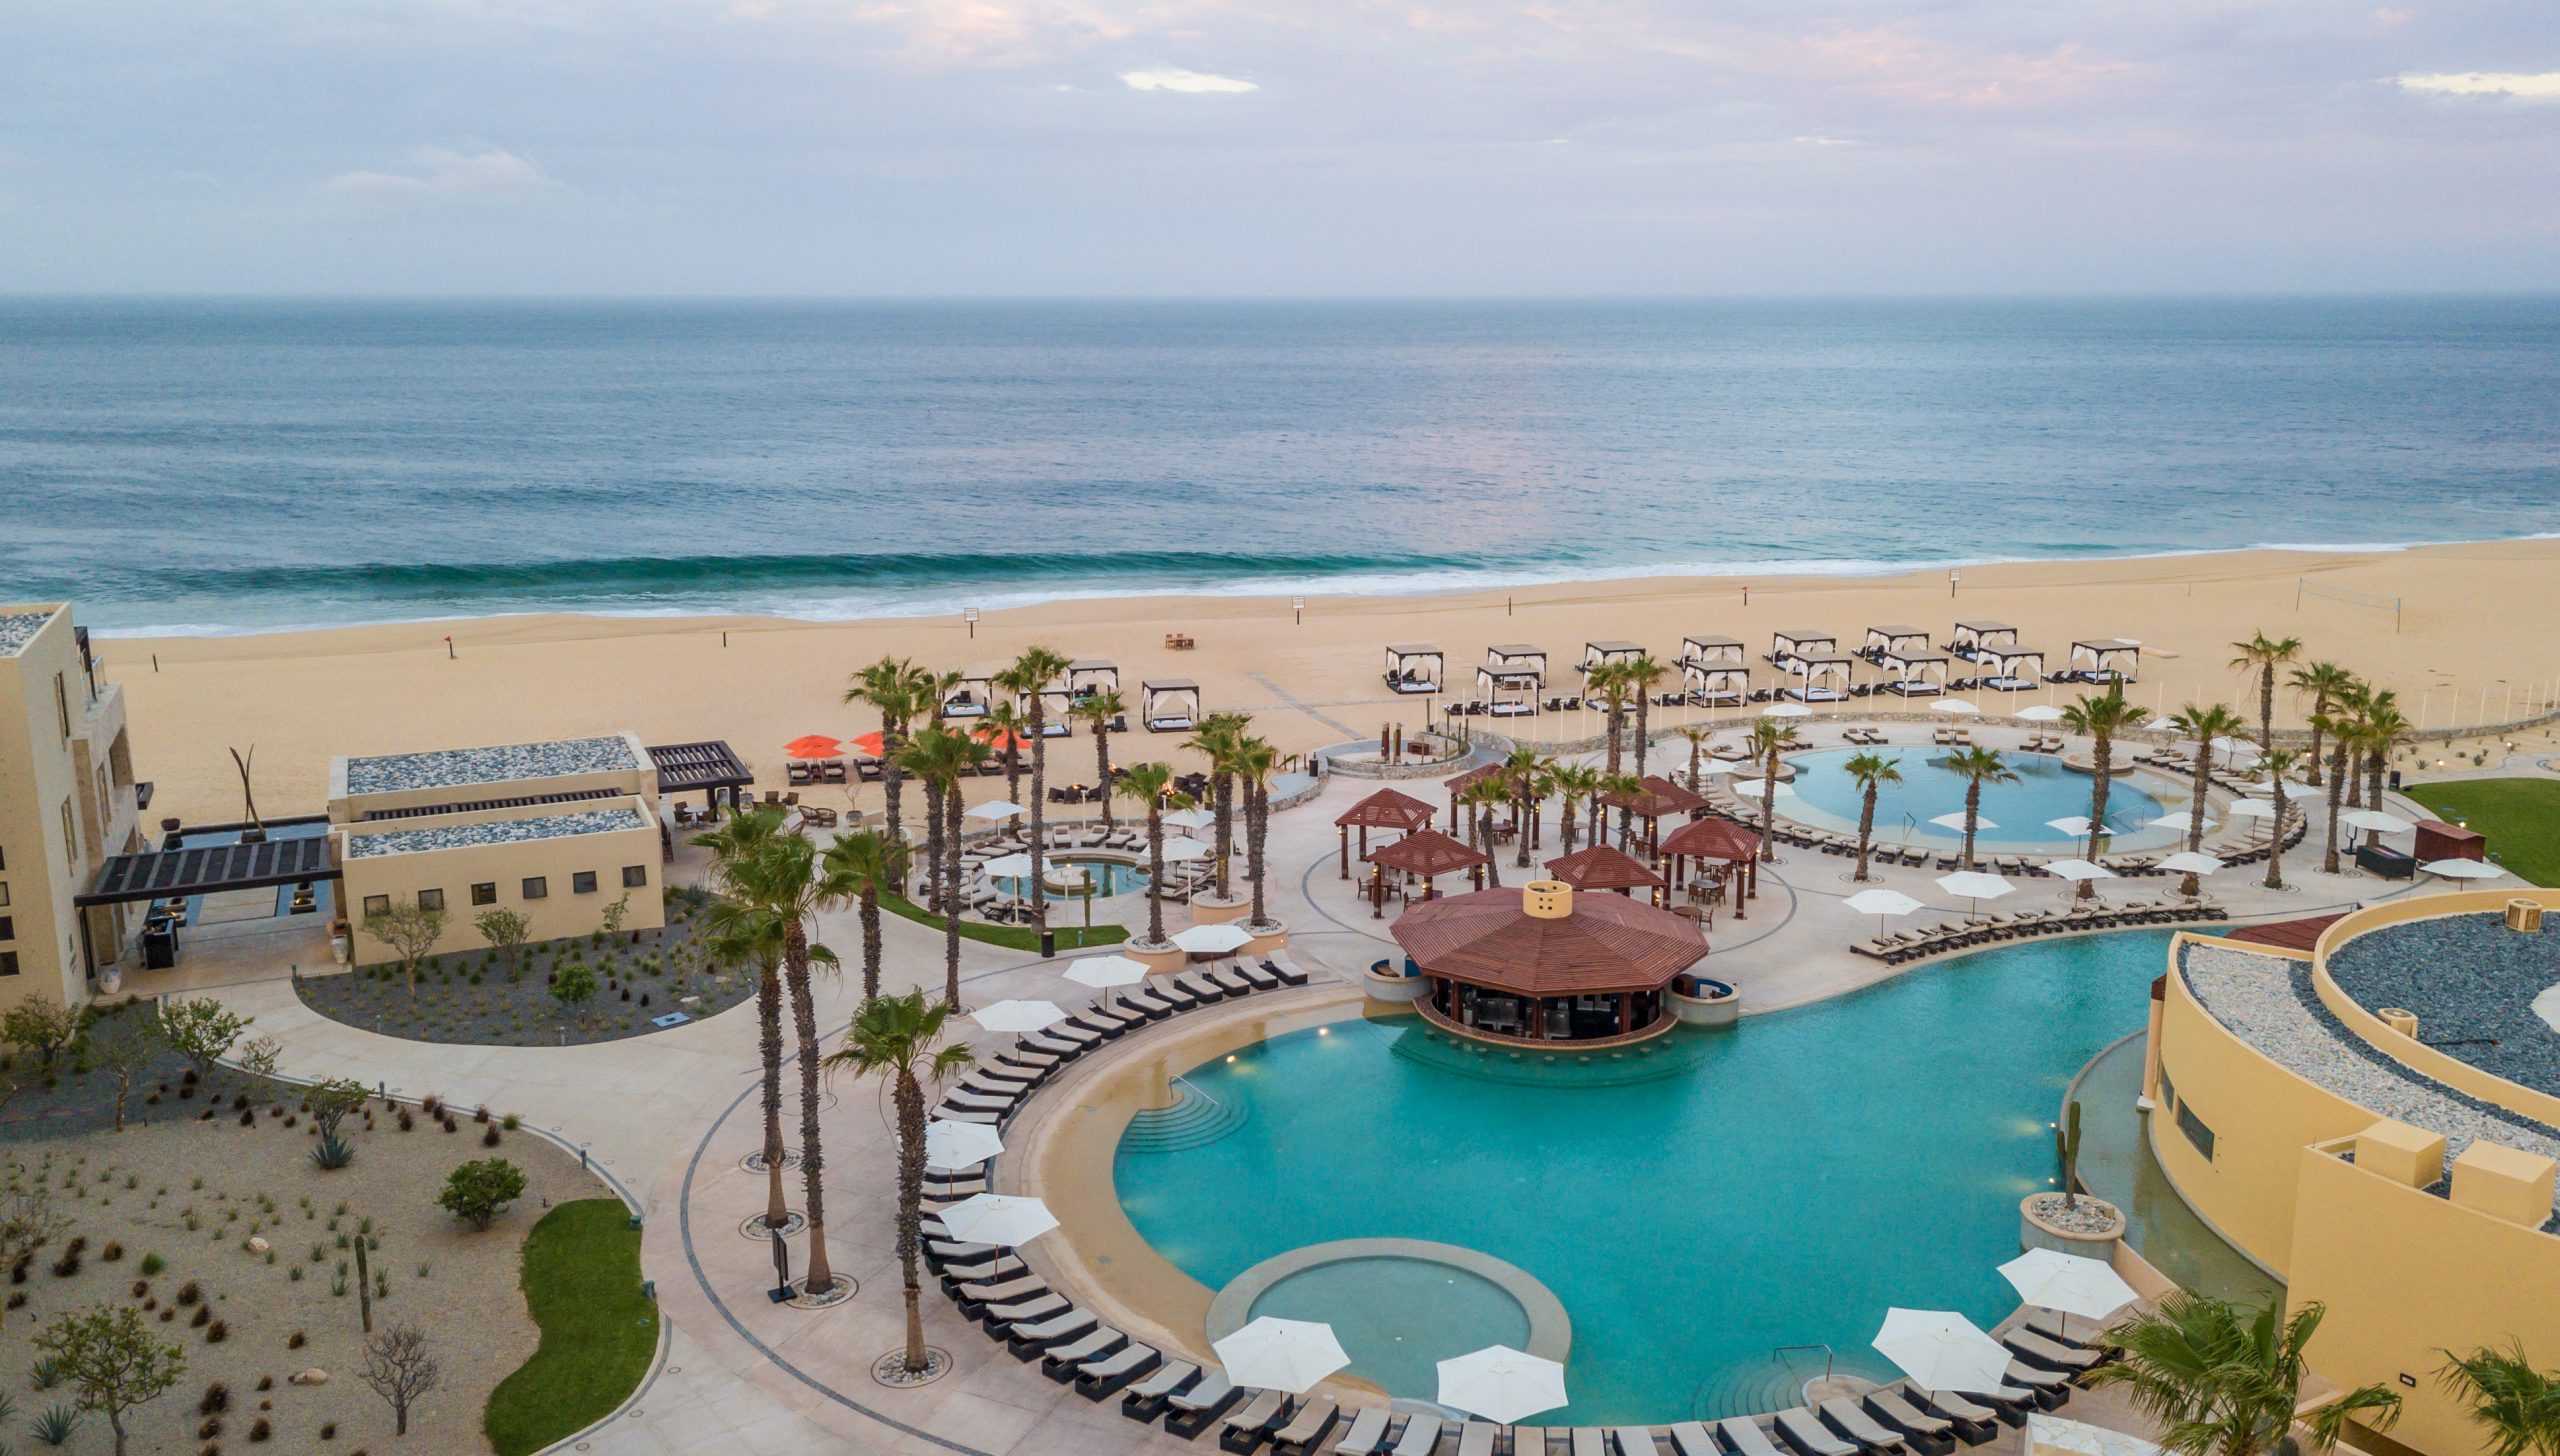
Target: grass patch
[(582, 1279), (2520, 816), (1017, 937)]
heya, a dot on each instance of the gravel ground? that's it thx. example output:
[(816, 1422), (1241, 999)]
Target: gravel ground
[(2472, 981), (133, 1196), (2269, 1001)]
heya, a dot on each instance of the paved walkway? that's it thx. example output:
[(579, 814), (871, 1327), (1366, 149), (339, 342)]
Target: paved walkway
[(668, 1118)]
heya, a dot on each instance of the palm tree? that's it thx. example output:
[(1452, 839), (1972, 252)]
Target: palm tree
[(2321, 682), (1572, 781), (1038, 667), (1977, 766), (1101, 710), (1254, 761), (1524, 774), (899, 1039), (1215, 738), (1607, 685), (1870, 772), (2384, 730), (1004, 723), (869, 865), (1640, 675), (2277, 763), (1766, 744), (942, 757), (1151, 784), (889, 686), (742, 935), (2219, 1379), (2203, 722), (1697, 735), (2263, 655), (2517, 1404), (2102, 718), (1484, 796)]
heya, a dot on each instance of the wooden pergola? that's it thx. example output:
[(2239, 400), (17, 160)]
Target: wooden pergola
[(1654, 798), (1722, 840), (1385, 809), (1460, 783), (1427, 853), (1545, 966), (1603, 868)]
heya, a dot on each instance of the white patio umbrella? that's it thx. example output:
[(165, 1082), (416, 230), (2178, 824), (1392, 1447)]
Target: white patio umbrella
[(1975, 885), (952, 1147), (1881, 903), (1942, 1350), (1281, 1354), (1191, 818), (1786, 710), (2252, 809), (1502, 1384), (2074, 825), (2179, 821), (2235, 749), (1953, 705), (1712, 767), (2076, 870), (1180, 851), (2161, 725), (994, 809), (1955, 822), (2191, 862), (1783, 790), (2067, 1283), (1010, 866), (1105, 971), (2041, 713), (1018, 1017), (997, 1218), (2375, 820), (1219, 939), (2463, 869)]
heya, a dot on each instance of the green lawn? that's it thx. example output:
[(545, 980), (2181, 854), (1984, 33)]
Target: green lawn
[(582, 1279), (2520, 816), (1018, 937)]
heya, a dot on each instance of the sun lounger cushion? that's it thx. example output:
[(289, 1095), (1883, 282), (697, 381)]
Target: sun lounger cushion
[(1798, 1428), (1421, 1436)]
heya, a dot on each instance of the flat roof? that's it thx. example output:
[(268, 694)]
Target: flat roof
[(19, 627), (1172, 685), (453, 768), (2108, 644), (1093, 664), (1913, 659), (1984, 627), (1615, 646), (1413, 649), (492, 832), (1714, 641), (1516, 649), (1901, 630), (1805, 634)]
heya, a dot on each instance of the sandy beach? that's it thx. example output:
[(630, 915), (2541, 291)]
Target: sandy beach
[(2476, 637)]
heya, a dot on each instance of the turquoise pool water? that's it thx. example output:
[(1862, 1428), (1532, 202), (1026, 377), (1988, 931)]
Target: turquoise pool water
[(1468, 1312), (1696, 1204), (2045, 790), (1108, 876)]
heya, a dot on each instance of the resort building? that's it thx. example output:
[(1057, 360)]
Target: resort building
[(557, 832), (2369, 1108), (68, 801)]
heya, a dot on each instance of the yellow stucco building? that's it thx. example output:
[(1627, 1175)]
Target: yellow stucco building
[(68, 801), (2376, 1121)]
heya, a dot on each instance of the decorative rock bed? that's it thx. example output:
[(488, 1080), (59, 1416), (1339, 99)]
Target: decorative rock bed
[(455, 768), (500, 831), (17, 629)]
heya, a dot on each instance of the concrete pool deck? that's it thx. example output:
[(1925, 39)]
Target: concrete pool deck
[(669, 1117)]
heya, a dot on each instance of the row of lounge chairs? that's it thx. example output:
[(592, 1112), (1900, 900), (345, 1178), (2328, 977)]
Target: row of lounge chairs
[(1909, 945)]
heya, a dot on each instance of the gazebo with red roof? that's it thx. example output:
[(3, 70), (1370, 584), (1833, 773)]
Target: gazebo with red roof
[(1654, 798), (1543, 966), (1385, 809), (1425, 852), (1458, 784), (1721, 840), (1601, 867)]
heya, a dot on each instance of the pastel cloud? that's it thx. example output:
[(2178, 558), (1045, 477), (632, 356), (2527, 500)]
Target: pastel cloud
[(2530, 86), (443, 174), (1192, 82)]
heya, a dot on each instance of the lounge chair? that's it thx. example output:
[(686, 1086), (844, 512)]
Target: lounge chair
[(1925, 1432), (1688, 1438), (1153, 1008), (1801, 1429), (1228, 979), (1420, 1437), (996, 1317), (2009, 1408), (1201, 986), (1476, 1438), (1367, 1433), (974, 1298), (1247, 1429), (1188, 1414), (1147, 1398), (1745, 1437), (1286, 970), (1060, 1361), (1528, 1441), (1851, 1422), (1256, 977), (1030, 1339), (1587, 1441), (1633, 1441), (1096, 1379), (1306, 1430), (2047, 1354), (2053, 1327), (950, 1112), (2049, 1387), (1170, 990)]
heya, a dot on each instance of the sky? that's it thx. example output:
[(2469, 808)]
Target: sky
[(1277, 147)]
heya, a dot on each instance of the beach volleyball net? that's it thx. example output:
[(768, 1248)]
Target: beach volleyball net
[(2304, 588)]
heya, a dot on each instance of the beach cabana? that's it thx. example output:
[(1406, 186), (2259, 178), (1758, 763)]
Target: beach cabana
[(1722, 841), (1544, 966), (1709, 651), (1425, 854), (1518, 657), (1384, 810), (1415, 667), (1716, 685), (971, 696), (1826, 677), (1509, 692), (1057, 720), (1972, 639), (1091, 677), (1169, 706), (1595, 654), (1913, 672), (1791, 646), (1602, 867), (2010, 669), (2104, 659), (1894, 639)]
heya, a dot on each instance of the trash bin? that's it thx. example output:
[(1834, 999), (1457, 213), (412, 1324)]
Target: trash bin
[(1048, 945)]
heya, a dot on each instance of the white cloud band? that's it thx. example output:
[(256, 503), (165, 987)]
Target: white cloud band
[(1196, 82)]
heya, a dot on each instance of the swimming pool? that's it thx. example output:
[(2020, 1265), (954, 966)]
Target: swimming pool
[(1828, 798), (1109, 877), (1695, 1204)]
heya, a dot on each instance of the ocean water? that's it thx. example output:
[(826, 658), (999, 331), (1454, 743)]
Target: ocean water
[(215, 466)]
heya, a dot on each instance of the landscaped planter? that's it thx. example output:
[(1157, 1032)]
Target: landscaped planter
[(1388, 986), (1716, 1004), (1216, 910), (1268, 936), (2091, 1231), (1157, 959)]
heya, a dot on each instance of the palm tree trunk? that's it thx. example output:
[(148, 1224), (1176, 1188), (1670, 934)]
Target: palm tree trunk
[(1257, 830), (1644, 729), (2192, 885), (769, 1044), (2373, 768), (2102, 752), (1564, 822), (2337, 792), (2355, 779), (910, 1105), (2267, 706), (950, 877), (1224, 798), (1972, 813), (1769, 811), (1520, 823), (1155, 871), (871, 949), (1492, 863), (2319, 710), (1039, 810), (933, 839), (2275, 843), (813, 1188), (1013, 772), (1866, 830), (1102, 770), (893, 778)]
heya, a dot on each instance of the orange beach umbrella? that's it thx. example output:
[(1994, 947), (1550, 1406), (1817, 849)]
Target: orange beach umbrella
[(869, 745), (812, 745), (999, 739)]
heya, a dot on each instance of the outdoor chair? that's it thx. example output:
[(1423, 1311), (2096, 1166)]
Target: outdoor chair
[(1099, 1379), (1148, 1396)]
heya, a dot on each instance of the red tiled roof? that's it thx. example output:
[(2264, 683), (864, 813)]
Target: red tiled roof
[(1712, 838), (1387, 809), (2286, 934), (1607, 943), (1603, 868), (1426, 852)]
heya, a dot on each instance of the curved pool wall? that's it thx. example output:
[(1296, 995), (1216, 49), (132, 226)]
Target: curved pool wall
[(1695, 1204), (1827, 798), (2116, 1165)]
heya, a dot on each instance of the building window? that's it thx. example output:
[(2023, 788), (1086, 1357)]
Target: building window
[(2197, 1133), (431, 899), (485, 893), (8, 962), (4, 894), (377, 905), (634, 877), (8, 927), (537, 888), (583, 882), (62, 706)]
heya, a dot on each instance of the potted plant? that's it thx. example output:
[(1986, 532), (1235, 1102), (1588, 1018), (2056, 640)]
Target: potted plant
[(2063, 1218)]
